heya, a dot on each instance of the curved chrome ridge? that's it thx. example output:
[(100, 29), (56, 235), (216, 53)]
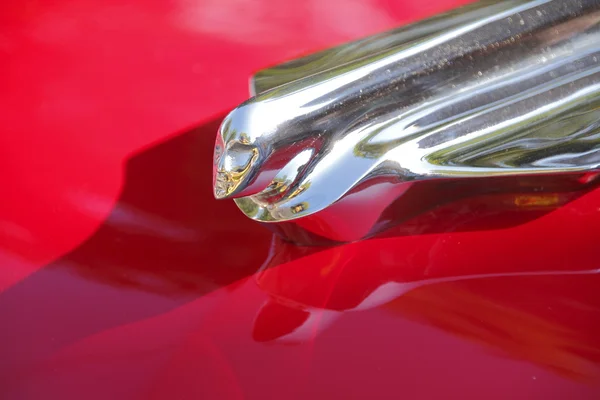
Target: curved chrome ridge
[(498, 88)]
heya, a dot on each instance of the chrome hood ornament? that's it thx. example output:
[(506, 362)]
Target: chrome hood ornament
[(494, 90)]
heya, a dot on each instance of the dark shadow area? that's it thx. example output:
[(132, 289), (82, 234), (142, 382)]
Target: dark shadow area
[(167, 234), (166, 242)]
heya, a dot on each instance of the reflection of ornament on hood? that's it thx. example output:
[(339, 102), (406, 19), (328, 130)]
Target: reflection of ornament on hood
[(496, 90), (543, 314)]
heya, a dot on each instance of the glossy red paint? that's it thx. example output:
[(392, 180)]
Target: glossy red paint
[(121, 277)]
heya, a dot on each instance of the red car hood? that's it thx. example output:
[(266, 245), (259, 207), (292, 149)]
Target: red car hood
[(121, 277)]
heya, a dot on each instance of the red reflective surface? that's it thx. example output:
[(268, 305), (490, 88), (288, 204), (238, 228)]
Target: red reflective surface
[(122, 278)]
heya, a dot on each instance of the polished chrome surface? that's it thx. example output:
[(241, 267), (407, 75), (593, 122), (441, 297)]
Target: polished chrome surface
[(495, 89)]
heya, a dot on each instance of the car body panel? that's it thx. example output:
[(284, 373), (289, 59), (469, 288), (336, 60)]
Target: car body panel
[(122, 277)]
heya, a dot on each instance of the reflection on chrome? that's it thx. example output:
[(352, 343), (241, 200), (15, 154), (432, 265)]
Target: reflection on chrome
[(495, 89)]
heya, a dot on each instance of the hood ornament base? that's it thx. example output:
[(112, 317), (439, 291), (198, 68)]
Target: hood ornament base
[(499, 96)]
